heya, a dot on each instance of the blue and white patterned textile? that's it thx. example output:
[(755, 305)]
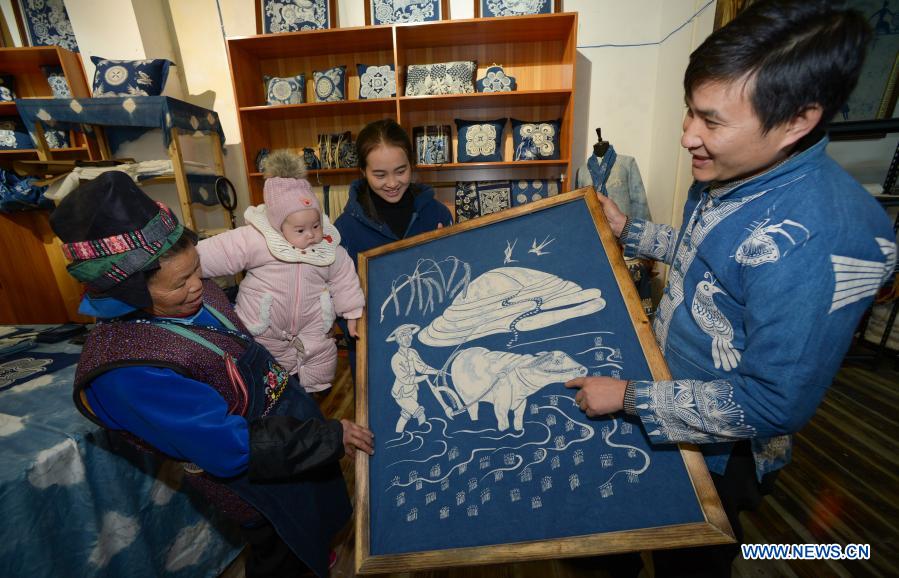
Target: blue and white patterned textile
[(441, 78), (528, 191), (48, 24), (56, 78), (535, 140), (330, 84), (496, 80), (293, 15), (376, 81), (769, 278), (129, 77), (399, 11), (285, 90), (127, 117), (515, 7), (7, 87), (480, 141), (77, 501)]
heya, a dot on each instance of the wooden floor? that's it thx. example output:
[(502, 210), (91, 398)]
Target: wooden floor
[(842, 487)]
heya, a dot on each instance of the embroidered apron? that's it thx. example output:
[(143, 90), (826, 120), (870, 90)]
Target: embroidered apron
[(310, 509)]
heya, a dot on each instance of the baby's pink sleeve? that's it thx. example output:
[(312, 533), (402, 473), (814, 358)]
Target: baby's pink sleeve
[(343, 284), (227, 253)]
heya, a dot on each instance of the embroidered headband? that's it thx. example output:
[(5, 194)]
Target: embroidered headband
[(103, 263)]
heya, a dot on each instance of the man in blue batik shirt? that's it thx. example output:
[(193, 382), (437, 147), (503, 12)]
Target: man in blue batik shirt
[(779, 255)]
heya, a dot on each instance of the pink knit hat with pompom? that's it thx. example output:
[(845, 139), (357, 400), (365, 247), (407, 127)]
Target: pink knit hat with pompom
[(286, 190)]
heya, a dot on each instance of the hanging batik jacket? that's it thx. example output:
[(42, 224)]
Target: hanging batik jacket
[(768, 280)]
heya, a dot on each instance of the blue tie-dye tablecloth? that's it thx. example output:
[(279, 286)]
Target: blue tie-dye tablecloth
[(71, 506)]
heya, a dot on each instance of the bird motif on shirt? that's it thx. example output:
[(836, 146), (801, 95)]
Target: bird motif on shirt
[(714, 324)]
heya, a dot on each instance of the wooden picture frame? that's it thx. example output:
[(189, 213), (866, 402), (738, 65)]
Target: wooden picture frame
[(372, 19), (262, 24), (474, 491), (553, 6)]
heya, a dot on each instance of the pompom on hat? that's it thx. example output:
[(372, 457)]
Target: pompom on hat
[(286, 189), (114, 234)]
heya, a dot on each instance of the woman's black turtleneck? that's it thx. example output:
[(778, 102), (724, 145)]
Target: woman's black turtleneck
[(396, 215)]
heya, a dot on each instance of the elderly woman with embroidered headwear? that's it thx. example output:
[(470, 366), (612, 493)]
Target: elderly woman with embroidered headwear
[(171, 366)]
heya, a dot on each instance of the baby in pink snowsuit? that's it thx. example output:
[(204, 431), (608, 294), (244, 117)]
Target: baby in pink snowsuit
[(297, 274)]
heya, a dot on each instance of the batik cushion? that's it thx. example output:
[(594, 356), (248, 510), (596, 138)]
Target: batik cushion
[(538, 140), (330, 84), (285, 90), (7, 87), (376, 81), (480, 140), (57, 81), (13, 135), (494, 196), (130, 77), (496, 80), (527, 191), (441, 78)]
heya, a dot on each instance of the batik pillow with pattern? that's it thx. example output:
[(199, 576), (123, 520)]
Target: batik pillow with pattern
[(56, 79), (538, 140), (441, 78), (376, 81), (7, 87), (129, 77), (285, 90), (496, 80), (330, 84), (528, 191), (480, 141)]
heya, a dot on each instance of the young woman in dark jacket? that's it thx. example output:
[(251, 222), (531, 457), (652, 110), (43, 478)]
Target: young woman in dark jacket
[(385, 205)]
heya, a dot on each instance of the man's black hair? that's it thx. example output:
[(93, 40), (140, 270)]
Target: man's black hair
[(792, 54)]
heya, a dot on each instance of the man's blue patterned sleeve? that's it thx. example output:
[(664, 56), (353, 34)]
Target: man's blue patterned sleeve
[(648, 240)]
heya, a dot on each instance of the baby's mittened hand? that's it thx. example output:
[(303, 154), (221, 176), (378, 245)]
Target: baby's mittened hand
[(351, 328)]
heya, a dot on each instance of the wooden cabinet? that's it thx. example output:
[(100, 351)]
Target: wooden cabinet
[(34, 284), (539, 51), (25, 64)]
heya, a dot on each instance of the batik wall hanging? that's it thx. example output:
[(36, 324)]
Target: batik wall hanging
[(47, 24), (402, 11), (481, 454), (491, 8), (275, 16)]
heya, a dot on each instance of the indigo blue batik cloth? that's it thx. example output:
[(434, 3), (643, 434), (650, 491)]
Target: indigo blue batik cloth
[(285, 90), (330, 84), (399, 11), (293, 15), (376, 81), (480, 140), (129, 77), (127, 116), (535, 140), (752, 351)]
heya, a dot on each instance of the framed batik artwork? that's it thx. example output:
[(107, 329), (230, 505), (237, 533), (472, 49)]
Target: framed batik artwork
[(482, 455)]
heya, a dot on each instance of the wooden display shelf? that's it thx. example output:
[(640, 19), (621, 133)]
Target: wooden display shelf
[(26, 154), (485, 100), (318, 172), (539, 51), (492, 165), (318, 109), (477, 31)]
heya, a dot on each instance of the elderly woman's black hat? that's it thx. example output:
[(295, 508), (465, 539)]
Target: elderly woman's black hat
[(114, 235)]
